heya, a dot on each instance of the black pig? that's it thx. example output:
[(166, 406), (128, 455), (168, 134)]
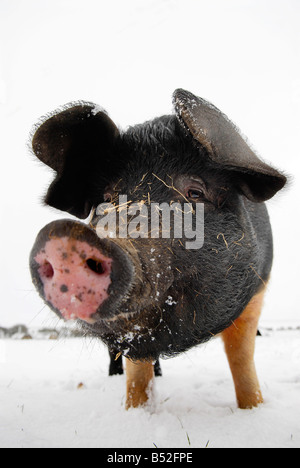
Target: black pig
[(149, 296)]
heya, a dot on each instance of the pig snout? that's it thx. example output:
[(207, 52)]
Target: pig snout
[(76, 277), (77, 274)]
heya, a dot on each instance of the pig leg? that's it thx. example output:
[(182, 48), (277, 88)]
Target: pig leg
[(157, 369), (239, 340), (139, 376), (115, 364)]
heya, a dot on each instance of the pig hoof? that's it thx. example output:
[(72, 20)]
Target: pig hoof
[(135, 401), (250, 401)]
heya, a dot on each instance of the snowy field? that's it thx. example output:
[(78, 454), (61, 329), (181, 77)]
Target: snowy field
[(129, 56), (193, 404)]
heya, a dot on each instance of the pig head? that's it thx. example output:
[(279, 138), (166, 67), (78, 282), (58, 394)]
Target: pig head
[(148, 296)]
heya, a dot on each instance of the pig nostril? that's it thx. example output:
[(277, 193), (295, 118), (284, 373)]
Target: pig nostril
[(46, 270), (96, 266)]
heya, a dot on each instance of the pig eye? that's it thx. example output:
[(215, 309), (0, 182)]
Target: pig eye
[(192, 188), (194, 194)]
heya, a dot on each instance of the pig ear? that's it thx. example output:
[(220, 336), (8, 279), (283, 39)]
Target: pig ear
[(225, 145), (76, 142)]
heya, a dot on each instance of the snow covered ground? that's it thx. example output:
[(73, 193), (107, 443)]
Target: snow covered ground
[(193, 404)]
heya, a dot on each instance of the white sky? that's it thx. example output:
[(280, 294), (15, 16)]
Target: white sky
[(129, 56)]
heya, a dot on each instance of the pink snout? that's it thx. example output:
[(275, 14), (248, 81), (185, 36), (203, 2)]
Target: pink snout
[(75, 277)]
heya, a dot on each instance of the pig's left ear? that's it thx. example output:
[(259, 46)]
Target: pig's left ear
[(225, 145), (77, 143)]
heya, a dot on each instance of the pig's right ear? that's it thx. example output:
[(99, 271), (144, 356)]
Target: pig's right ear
[(225, 146), (77, 143)]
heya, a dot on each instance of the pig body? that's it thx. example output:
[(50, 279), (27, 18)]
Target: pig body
[(193, 294), (150, 296)]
